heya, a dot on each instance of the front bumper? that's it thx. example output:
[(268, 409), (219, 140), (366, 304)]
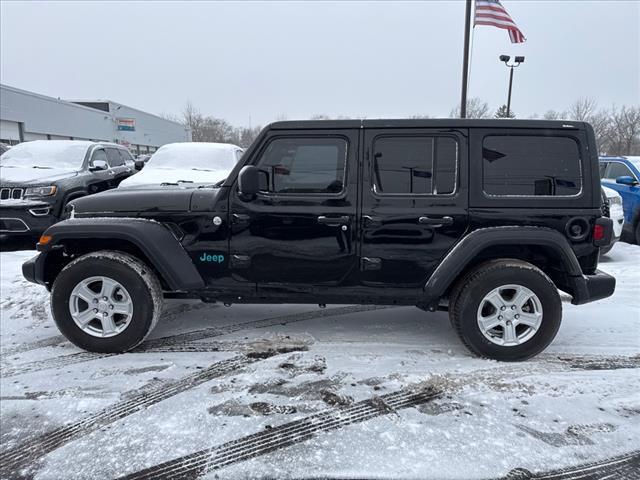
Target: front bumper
[(33, 269), (25, 218), (590, 288)]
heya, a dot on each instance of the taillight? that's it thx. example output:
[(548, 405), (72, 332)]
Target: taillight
[(598, 232), (602, 232)]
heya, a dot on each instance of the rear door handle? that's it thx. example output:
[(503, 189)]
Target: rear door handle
[(435, 222), (333, 221)]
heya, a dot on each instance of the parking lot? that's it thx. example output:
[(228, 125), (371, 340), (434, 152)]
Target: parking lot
[(302, 392)]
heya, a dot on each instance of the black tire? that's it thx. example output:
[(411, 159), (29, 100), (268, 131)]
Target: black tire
[(136, 277), (469, 292)]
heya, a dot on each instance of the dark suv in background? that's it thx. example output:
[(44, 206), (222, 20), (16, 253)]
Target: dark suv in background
[(38, 179), (487, 219)]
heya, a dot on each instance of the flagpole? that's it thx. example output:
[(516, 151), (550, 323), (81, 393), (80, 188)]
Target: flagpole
[(465, 61)]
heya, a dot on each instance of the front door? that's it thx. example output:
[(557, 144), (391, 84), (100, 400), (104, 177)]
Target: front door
[(299, 231), (414, 203)]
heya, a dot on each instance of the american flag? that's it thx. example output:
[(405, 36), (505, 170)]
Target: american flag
[(491, 12)]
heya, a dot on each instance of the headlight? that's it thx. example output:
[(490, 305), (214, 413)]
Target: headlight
[(617, 200), (40, 191)]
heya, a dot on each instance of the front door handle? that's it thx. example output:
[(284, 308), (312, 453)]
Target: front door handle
[(435, 222), (333, 221)]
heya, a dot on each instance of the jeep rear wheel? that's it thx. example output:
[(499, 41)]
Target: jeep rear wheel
[(506, 310), (106, 301)]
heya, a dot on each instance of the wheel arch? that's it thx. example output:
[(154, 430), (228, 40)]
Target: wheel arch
[(543, 247), (149, 241)]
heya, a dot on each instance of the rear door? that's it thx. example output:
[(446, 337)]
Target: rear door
[(414, 203), (300, 229)]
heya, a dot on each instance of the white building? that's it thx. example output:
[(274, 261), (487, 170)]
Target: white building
[(28, 116)]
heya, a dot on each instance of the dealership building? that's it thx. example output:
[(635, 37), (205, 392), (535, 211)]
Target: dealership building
[(26, 116)]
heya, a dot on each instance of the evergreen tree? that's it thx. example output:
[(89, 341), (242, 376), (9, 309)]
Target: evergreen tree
[(502, 113)]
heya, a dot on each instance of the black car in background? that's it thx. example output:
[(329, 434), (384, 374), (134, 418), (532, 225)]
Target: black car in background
[(38, 179)]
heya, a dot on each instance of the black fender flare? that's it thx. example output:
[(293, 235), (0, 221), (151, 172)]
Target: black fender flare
[(471, 245), (159, 245)]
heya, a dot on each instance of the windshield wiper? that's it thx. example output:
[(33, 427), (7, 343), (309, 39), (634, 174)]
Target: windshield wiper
[(43, 168), (176, 182), (203, 169)]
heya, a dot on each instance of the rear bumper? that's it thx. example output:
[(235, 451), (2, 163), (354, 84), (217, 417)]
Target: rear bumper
[(590, 288), (33, 269)]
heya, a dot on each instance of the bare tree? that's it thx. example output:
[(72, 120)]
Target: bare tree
[(624, 132), (476, 108), (582, 109)]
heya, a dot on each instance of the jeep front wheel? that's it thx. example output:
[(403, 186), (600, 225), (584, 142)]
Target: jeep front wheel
[(106, 301), (506, 310)]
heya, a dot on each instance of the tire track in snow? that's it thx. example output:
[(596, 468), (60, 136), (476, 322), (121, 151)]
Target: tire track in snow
[(620, 467), (22, 455), (267, 441), (164, 344)]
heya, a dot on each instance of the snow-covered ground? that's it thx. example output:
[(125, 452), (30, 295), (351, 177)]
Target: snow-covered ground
[(300, 392)]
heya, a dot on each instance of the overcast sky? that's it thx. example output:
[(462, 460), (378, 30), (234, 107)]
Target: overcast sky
[(266, 60)]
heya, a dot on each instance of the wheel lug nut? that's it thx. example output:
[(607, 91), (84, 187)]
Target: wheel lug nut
[(517, 316), (105, 298), (95, 300), (104, 314), (110, 307), (503, 308), (513, 307), (499, 317), (95, 310)]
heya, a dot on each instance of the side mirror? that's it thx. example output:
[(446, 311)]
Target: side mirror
[(249, 180), (139, 164), (98, 165), (627, 180)]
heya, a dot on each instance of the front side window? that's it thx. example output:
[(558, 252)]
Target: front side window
[(415, 165), (531, 165), (617, 169), (115, 160), (99, 155), (305, 165)]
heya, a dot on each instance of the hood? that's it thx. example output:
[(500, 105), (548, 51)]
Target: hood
[(610, 193), (30, 175), (151, 175), (138, 201)]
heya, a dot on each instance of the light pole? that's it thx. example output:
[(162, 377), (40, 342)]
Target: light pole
[(517, 62)]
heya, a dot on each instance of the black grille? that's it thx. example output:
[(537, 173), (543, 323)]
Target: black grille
[(14, 193)]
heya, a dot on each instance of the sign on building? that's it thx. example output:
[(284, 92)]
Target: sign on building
[(126, 124)]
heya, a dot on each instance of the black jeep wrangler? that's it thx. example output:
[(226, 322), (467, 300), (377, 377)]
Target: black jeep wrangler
[(487, 219)]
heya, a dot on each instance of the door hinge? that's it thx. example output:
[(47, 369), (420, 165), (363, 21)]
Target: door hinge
[(240, 218), (370, 263), (240, 261)]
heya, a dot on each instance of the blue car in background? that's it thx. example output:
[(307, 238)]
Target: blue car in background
[(623, 175)]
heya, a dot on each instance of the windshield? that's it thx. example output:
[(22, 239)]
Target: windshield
[(195, 156), (635, 161), (46, 154)]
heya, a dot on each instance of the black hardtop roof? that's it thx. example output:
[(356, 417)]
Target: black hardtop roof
[(425, 123)]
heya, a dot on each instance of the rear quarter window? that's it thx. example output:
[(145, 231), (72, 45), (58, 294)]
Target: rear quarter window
[(531, 166)]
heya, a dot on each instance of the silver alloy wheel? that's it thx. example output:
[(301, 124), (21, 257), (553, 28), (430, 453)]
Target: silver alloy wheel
[(101, 307), (509, 315)]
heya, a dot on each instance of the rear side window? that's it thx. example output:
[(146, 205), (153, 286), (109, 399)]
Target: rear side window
[(414, 165), (519, 165), (305, 165), (115, 160)]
